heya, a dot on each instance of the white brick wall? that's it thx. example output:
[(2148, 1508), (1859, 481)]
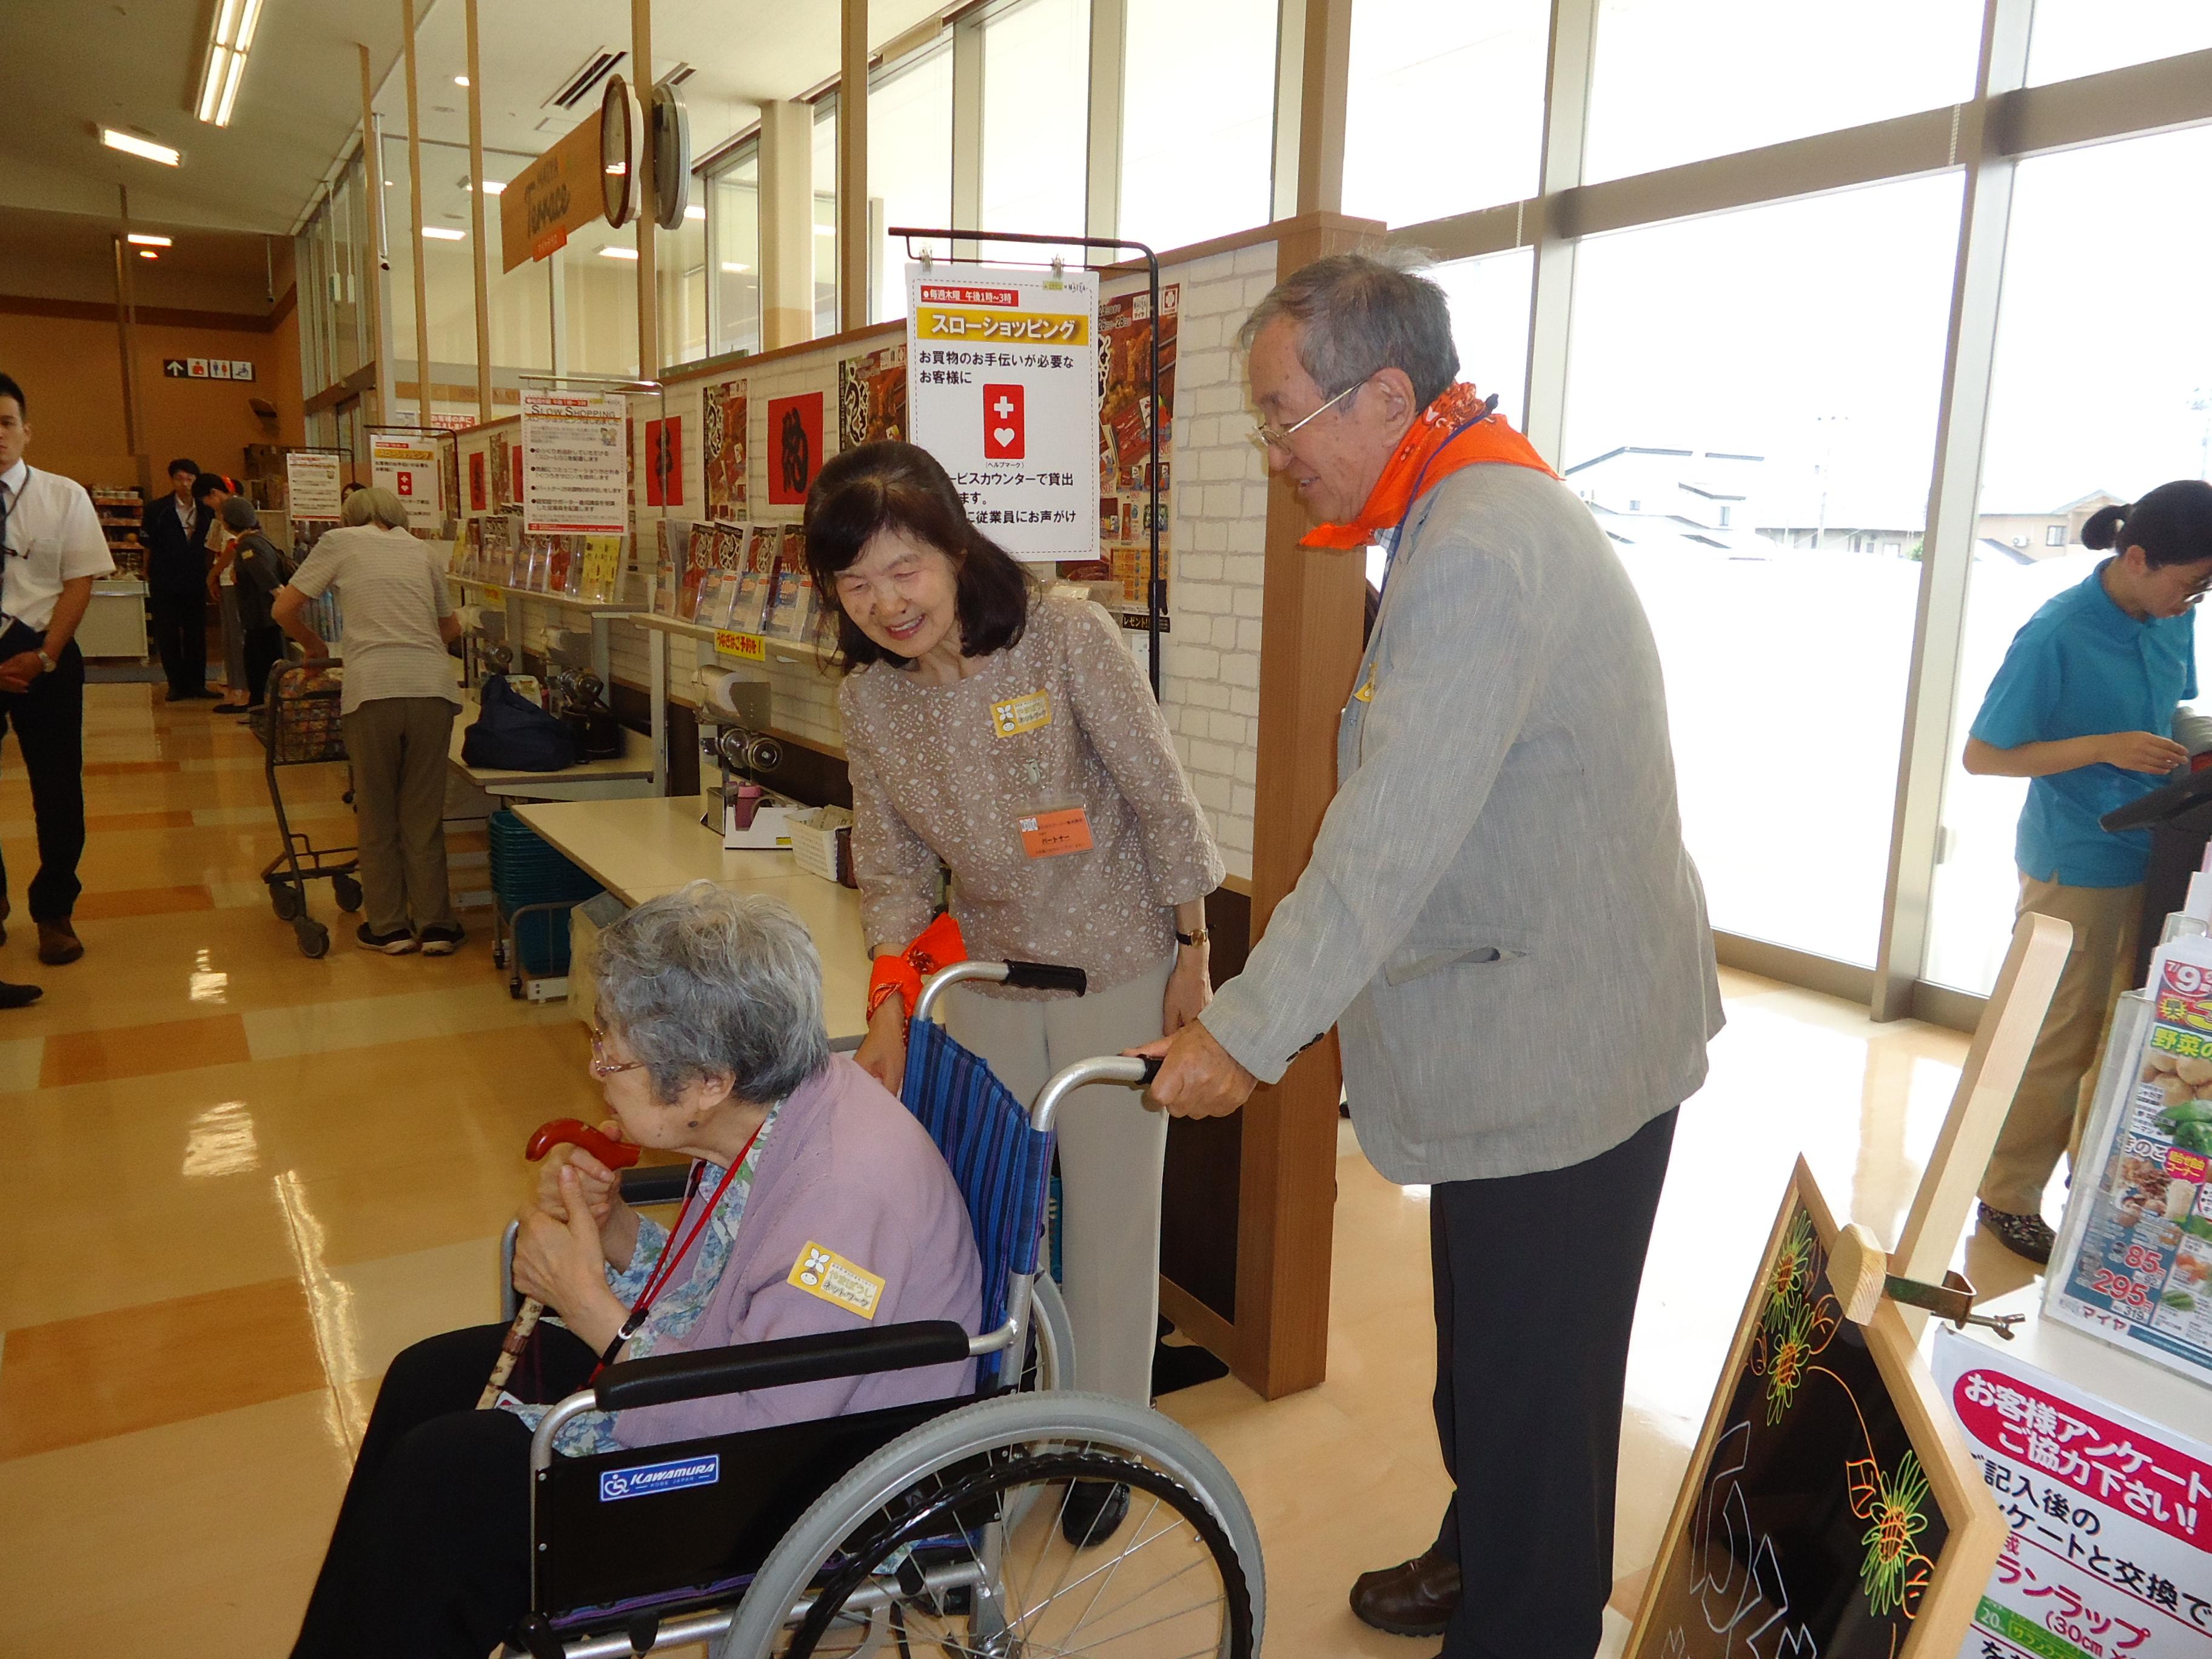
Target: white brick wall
[(1209, 685)]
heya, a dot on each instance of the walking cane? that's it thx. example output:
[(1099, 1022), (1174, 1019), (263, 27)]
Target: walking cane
[(616, 1155)]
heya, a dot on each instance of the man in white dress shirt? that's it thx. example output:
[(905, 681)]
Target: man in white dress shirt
[(54, 551)]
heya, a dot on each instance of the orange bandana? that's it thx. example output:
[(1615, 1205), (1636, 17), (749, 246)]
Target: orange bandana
[(1440, 443)]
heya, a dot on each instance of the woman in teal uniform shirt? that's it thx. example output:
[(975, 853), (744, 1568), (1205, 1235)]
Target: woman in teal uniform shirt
[(2084, 705)]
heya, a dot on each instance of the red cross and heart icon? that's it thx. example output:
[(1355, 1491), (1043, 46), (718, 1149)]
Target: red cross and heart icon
[(1005, 423)]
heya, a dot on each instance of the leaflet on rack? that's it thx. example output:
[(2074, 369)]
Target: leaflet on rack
[(2137, 1266)]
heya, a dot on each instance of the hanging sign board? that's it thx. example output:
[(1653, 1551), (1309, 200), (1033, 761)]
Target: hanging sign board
[(1831, 1509), (575, 470), (313, 482), (1002, 380), (407, 465), (2111, 1548), (561, 192)]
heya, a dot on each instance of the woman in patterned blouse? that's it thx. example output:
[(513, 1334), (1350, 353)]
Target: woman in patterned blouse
[(1005, 738)]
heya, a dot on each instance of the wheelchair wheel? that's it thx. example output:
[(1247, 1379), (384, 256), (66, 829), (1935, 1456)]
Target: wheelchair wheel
[(284, 900), (314, 937), (957, 1526)]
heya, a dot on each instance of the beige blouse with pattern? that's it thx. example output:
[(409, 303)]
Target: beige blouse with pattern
[(942, 775)]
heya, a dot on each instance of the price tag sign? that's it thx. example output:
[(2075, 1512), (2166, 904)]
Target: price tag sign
[(745, 647)]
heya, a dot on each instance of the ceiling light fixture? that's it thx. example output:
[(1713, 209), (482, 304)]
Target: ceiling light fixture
[(140, 239), (460, 79), (735, 269), (443, 233), (229, 41), (695, 210), (148, 253), (618, 253), (133, 146)]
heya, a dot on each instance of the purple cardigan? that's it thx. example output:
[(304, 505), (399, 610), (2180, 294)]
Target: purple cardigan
[(850, 1174)]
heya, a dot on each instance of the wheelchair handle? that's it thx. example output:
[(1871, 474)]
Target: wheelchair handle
[(1106, 1068), (1023, 975)]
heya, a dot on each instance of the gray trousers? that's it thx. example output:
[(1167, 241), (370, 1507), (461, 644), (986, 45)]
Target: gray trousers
[(398, 746), (1112, 1151)]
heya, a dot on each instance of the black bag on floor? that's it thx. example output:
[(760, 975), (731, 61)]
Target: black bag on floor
[(514, 734)]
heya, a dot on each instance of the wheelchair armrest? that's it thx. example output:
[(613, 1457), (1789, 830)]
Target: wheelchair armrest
[(654, 1183), (664, 1379)]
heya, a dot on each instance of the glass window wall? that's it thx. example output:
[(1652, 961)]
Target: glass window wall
[(1765, 483), (909, 167), (825, 217), (2103, 316), (1677, 80), (1198, 119), (1036, 91), (1490, 324), (2085, 37), (735, 220), (680, 275)]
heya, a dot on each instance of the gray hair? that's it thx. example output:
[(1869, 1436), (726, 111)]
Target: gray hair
[(1358, 315), (702, 981), (238, 512), (375, 505)]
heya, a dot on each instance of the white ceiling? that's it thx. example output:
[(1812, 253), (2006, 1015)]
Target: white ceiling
[(73, 65)]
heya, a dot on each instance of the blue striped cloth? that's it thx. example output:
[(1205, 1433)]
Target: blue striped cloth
[(1002, 1165)]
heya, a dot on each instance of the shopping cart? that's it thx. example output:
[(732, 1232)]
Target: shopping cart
[(298, 725)]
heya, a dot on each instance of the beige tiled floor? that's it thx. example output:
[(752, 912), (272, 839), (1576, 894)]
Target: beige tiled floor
[(225, 1131)]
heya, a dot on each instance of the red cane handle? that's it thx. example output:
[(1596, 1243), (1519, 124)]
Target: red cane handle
[(615, 1154)]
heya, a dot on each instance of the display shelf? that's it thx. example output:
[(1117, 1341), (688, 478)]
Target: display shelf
[(596, 607), (120, 509), (769, 644)]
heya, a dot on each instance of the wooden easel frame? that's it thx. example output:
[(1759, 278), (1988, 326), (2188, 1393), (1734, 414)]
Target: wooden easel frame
[(1977, 1529)]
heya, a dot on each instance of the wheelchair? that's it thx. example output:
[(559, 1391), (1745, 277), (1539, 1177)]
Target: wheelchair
[(937, 1528)]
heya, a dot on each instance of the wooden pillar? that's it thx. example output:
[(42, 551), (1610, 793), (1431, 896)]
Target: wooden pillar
[(1309, 650), (480, 268), (1324, 63), (648, 286), (377, 267), (853, 167), (415, 201)]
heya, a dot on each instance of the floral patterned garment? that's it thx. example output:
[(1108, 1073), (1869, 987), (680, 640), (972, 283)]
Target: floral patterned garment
[(681, 1301), (942, 775)]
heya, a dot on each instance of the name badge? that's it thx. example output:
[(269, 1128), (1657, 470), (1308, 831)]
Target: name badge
[(1049, 835), (1026, 713)]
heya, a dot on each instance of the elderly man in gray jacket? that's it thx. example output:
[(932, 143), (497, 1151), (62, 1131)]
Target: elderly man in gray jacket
[(1500, 920)]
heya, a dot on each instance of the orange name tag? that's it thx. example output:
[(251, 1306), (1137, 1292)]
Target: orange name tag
[(1048, 835)]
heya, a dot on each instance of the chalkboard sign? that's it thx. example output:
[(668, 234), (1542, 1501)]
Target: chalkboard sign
[(1831, 1508)]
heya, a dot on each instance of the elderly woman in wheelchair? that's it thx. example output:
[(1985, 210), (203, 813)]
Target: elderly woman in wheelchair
[(778, 1423)]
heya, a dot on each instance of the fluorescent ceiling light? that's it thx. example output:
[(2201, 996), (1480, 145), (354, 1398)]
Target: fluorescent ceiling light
[(491, 187), (735, 269), (140, 239), (825, 230), (443, 233), (695, 210), (148, 253), (460, 79), (228, 42), (618, 253), (133, 146)]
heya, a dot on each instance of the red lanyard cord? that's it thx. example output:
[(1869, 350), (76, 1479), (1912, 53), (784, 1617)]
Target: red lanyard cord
[(679, 1245)]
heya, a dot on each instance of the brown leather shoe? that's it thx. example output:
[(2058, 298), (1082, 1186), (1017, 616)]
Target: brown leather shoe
[(1415, 1598), (59, 943)]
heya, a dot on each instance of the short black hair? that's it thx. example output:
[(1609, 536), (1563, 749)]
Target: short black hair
[(889, 485), (184, 464), (207, 483), (9, 389), (2172, 525)]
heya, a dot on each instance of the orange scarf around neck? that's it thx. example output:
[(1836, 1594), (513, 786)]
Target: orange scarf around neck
[(1427, 455)]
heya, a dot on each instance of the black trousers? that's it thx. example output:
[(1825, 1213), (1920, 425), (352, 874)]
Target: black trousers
[(430, 1556), (262, 647), (180, 623), (48, 722), (1536, 1278)]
